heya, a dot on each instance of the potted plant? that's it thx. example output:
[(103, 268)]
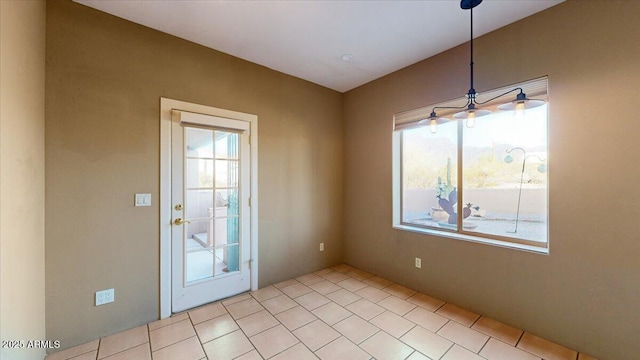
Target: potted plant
[(443, 190)]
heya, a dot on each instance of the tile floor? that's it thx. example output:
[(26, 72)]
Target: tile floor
[(331, 314)]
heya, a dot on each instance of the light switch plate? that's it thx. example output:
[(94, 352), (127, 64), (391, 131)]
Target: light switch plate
[(143, 200)]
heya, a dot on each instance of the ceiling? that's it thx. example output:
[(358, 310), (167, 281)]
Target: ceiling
[(308, 39)]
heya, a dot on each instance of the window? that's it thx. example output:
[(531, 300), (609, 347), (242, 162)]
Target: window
[(494, 173)]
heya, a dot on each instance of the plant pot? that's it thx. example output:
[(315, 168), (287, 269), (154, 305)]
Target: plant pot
[(439, 215)]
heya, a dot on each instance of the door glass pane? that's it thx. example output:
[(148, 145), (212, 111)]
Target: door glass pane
[(211, 203), (224, 143), (199, 173), (199, 204), (226, 173), (199, 142), (199, 256)]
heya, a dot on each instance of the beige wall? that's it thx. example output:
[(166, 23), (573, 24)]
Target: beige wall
[(105, 77), (22, 277), (586, 293)]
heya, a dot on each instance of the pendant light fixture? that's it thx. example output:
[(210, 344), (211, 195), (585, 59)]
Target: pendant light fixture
[(470, 110)]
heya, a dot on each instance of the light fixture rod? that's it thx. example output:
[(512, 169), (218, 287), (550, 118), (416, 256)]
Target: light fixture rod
[(472, 91)]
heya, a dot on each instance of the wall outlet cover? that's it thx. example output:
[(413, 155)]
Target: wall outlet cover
[(105, 296)]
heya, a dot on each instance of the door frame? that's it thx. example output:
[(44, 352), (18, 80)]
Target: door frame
[(166, 105)]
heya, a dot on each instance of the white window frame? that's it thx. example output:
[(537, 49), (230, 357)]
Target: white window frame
[(409, 119)]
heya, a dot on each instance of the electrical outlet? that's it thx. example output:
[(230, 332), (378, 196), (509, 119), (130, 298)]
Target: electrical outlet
[(105, 296), (321, 246), (418, 263)]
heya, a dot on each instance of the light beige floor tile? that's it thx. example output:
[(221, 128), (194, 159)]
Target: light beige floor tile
[(323, 271), (171, 334), (334, 276), (140, 352), (189, 349), (312, 300), (352, 285), (464, 336), (393, 324), (295, 317), (377, 282), (497, 350), (168, 321), (266, 293), (309, 279), (426, 342), (383, 346), (235, 299), (343, 297), (359, 274), (545, 348), (365, 309), (256, 323), (316, 335), (244, 308), (216, 327), (399, 291), (498, 330), (417, 356), (342, 349), (279, 304), (251, 355), (92, 355), (426, 301), (582, 356), (356, 329), (325, 287), (273, 341), (207, 312), (295, 290), (74, 351), (372, 294), (397, 305), (426, 319), (457, 352), (331, 313), (122, 341), (343, 268), (455, 313), (296, 352), (228, 347), (286, 283)]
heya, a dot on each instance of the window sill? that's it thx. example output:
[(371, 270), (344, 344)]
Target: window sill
[(476, 239)]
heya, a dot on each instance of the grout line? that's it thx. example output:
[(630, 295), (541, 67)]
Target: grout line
[(149, 342), (198, 336), (520, 338)]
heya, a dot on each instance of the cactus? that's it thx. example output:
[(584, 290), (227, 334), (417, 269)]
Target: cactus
[(448, 197), (444, 190)]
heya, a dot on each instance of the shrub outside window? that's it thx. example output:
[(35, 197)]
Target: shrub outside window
[(494, 174)]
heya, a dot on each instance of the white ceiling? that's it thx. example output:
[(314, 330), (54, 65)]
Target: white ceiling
[(307, 39)]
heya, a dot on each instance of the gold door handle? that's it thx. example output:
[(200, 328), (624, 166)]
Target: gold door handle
[(179, 221)]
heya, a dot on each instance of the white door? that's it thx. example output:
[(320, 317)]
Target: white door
[(210, 189)]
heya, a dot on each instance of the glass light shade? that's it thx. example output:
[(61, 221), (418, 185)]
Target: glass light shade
[(542, 168), (471, 119), (476, 113), (508, 159), (433, 125), (521, 104), (433, 122)]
